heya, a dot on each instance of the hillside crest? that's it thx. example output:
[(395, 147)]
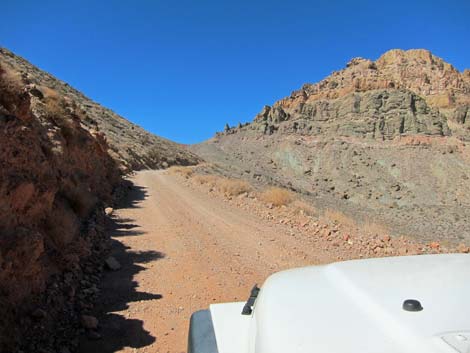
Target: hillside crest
[(130, 145)]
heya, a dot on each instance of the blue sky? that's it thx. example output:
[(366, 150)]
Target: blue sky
[(183, 68)]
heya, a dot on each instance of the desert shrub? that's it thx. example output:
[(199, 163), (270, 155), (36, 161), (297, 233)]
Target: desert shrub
[(277, 196), (11, 80), (49, 93), (339, 217), (183, 171), (10, 86), (300, 206), (372, 228), (233, 187), (367, 227), (55, 108), (210, 180)]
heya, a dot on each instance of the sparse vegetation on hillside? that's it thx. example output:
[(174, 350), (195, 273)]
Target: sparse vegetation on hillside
[(277, 196), (210, 180), (274, 196), (230, 187), (55, 107), (49, 93), (368, 227), (304, 208), (184, 171), (10, 85), (331, 226), (373, 228), (233, 187), (338, 217), (10, 78)]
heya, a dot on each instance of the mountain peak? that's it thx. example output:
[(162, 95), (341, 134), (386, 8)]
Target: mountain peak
[(400, 55), (417, 70), (413, 57)]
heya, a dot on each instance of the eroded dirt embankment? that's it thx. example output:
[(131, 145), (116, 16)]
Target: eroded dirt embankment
[(53, 176)]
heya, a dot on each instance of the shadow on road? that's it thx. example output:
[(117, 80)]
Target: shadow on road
[(118, 288)]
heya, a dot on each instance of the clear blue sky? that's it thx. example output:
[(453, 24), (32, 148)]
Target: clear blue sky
[(183, 68)]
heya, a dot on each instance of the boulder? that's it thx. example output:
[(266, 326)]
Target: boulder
[(39, 313), (89, 322), (112, 264)]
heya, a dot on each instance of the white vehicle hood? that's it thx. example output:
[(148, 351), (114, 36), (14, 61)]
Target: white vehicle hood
[(356, 306)]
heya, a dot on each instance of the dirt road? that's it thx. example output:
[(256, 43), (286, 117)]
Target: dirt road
[(182, 249)]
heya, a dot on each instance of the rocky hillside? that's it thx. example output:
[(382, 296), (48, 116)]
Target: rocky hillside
[(383, 141), (54, 177), (61, 161), (130, 145)]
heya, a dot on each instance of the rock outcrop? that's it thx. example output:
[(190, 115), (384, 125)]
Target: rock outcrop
[(378, 114)]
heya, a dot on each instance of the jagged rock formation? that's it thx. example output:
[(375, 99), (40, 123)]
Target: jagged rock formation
[(130, 145), (383, 141), (378, 114)]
